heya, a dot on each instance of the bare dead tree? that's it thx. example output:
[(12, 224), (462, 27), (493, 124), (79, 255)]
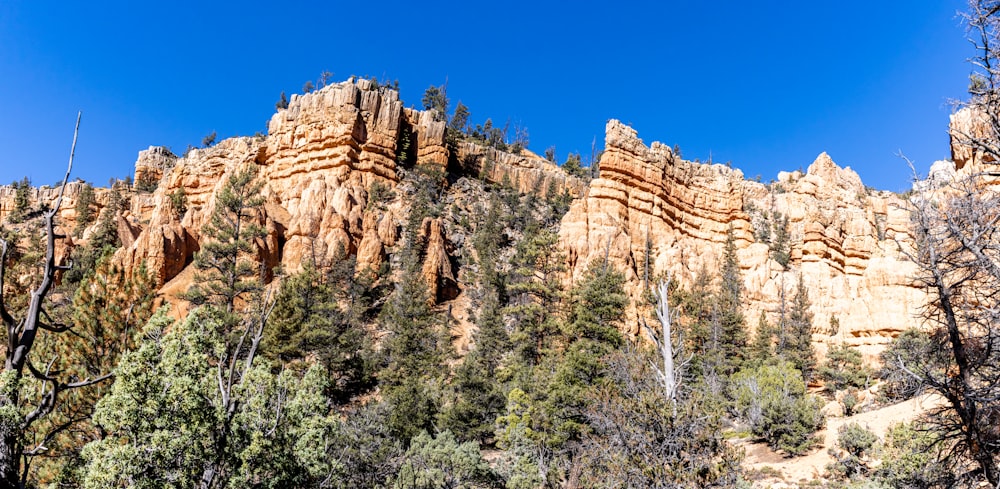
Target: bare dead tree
[(671, 370), (957, 250), (20, 410), (983, 137)]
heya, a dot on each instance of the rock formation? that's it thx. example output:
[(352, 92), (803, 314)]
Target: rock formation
[(333, 155), (650, 207)]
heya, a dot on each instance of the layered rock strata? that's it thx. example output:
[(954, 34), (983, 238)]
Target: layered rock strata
[(653, 213)]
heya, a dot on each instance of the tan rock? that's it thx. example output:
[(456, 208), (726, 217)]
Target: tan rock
[(842, 235)]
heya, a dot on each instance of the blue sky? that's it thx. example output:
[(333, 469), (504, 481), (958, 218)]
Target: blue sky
[(766, 85)]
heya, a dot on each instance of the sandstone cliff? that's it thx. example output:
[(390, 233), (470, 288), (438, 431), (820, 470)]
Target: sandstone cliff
[(330, 158), (649, 206)]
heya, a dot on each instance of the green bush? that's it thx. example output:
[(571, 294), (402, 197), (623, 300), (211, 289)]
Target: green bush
[(854, 442), (844, 369), (907, 458), (773, 400), (911, 353), (441, 462)]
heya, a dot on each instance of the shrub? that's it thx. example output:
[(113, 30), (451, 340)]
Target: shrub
[(844, 369), (854, 443), (911, 353), (907, 458), (773, 400)]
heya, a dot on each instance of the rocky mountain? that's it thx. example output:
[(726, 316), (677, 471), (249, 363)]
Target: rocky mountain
[(332, 156)]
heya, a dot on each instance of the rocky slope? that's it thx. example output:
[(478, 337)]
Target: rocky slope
[(327, 154)]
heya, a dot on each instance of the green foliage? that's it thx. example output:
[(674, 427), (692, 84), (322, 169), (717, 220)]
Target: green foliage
[(165, 420), (308, 86), (781, 246), (773, 400), (598, 304), (85, 202), (550, 154), (908, 457), (209, 140), (436, 99), (379, 194), (146, 182), (639, 440), (854, 443), (414, 351), (108, 309), (762, 346), (178, 201), (573, 167), (476, 397), (226, 271), (282, 102), (535, 290), (22, 200), (442, 462), (844, 369), (912, 353), (795, 339), (308, 322), (460, 119)]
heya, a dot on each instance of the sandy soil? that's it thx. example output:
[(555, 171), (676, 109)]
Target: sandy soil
[(789, 472)]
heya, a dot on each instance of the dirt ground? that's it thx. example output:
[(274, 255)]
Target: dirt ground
[(790, 472)]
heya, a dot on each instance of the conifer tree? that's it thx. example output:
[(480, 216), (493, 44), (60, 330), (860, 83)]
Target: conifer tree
[(226, 274), (732, 334), (781, 241), (108, 310), (306, 321), (84, 209), (534, 289), (799, 348)]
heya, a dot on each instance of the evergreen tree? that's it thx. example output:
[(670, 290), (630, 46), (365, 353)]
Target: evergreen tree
[(84, 209), (282, 102), (436, 98), (762, 347), (168, 423), (459, 119), (307, 321), (535, 290), (732, 334), (107, 312), (226, 274), (22, 196), (781, 246), (573, 167), (799, 348)]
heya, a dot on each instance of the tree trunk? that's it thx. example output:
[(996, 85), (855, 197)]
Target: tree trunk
[(10, 459)]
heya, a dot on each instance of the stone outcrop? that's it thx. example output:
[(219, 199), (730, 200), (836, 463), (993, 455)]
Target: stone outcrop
[(648, 206), (334, 158), (965, 125)]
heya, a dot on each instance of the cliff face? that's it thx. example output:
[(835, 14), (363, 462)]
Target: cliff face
[(322, 159), (332, 153), (653, 213)]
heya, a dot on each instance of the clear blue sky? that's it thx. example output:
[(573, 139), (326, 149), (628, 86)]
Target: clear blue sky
[(767, 85)]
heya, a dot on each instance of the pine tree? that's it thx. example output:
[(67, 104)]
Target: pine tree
[(781, 241), (800, 349), (307, 321), (762, 347), (226, 274), (535, 290), (436, 98), (84, 209), (282, 102), (727, 314)]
